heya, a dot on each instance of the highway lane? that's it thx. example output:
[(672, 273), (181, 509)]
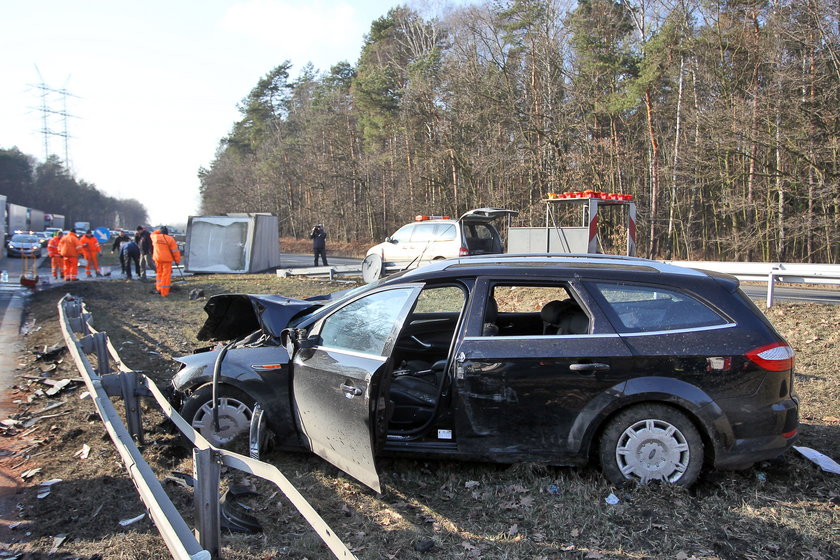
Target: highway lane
[(790, 293)]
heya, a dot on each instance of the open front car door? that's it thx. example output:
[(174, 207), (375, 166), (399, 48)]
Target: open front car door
[(341, 375)]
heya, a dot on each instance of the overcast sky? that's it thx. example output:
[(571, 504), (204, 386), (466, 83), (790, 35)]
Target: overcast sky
[(155, 83)]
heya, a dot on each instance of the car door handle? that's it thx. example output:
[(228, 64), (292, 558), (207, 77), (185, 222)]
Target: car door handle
[(350, 391), (584, 368)]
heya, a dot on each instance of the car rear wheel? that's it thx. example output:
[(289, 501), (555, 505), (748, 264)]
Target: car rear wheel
[(235, 410), (651, 442)]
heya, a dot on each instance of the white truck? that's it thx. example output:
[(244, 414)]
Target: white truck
[(81, 227)]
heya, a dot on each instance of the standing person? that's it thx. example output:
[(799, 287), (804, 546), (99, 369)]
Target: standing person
[(129, 252), (144, 241), (56, 260), (91, 250), (319, 243), (165, 251), (70, 247), (115, 248)]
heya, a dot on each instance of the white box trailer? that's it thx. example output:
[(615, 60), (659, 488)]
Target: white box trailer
[(233, 244), (36, 220), (17, 218)]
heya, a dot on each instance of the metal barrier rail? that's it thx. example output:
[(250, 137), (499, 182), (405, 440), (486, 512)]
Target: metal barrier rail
[(207, 459), (790, 273)]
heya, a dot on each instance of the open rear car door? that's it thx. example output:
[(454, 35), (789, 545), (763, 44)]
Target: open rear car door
[(341, 375), (488, 213)]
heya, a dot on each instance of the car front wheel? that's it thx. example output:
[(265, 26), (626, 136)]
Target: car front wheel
[(651, 442), (235, 410)]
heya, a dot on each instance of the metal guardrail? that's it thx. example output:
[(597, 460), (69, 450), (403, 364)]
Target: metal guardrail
[(322, 271), (789, 273), (207, 459)]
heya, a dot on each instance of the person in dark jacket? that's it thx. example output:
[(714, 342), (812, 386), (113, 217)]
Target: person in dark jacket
[(115, 248), (319, 243), (130, 252), (143, 239)]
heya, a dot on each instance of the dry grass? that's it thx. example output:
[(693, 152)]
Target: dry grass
[(785, 509)]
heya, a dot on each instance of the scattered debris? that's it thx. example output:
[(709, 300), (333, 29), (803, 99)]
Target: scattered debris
[(234, 515), (181, 479), (30, 473), (470, 484), (824, 462), (98, 509), (83, 453), (50, 353), (58, 540), (51, 406), (44, 489), (57, 387), (132, 521), (196, 293), (612, 499)]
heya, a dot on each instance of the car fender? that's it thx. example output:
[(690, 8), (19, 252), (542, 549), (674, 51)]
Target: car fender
[(699, 406), (269, 386)]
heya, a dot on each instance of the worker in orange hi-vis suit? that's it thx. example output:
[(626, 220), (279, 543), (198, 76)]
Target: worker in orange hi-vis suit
[(165, 251), (91, 250), (56, 260), (70, 247)]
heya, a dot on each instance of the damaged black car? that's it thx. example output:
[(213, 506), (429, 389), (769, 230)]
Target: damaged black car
[(649, 371)]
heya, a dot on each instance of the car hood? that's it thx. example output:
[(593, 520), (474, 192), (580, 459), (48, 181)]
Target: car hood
[(231, 316)]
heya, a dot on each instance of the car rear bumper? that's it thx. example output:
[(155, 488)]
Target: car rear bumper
[(780, 432)]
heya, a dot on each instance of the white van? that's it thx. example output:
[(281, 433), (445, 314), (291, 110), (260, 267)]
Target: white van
[(432, 238)]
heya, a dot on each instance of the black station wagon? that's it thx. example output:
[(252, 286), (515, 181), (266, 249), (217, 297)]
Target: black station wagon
[(650, 371)]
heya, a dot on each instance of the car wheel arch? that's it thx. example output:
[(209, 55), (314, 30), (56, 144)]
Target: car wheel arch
[(705, 414), (597, 432)]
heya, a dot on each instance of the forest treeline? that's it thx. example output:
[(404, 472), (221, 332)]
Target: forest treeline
[(50, 187), (720, 117)]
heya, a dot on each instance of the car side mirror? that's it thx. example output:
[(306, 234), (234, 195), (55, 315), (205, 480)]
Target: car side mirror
[(391, 240), (290, 338)]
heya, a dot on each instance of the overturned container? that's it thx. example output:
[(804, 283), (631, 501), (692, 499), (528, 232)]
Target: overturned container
[(234, 243)]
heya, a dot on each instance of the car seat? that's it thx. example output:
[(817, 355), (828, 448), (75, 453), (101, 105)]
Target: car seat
[(564, 317), (414, 393)]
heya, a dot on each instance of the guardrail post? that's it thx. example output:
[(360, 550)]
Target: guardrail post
[(77, 317), (100, 345), (771, 284), (207, 468), (133, 418)]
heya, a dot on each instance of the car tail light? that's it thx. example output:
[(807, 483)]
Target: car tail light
[(463, 252), (773, 357)]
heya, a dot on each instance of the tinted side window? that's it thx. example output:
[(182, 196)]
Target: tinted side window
[(366, 324), (653, 308), (403, 234), (423, 233)]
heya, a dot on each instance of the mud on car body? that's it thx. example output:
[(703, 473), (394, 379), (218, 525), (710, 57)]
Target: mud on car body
[(651, 371)]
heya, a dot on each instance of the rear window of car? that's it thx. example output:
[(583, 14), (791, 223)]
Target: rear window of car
[(634, 308)]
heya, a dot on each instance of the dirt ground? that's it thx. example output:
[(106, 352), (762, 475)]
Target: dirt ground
[(428, 509)]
